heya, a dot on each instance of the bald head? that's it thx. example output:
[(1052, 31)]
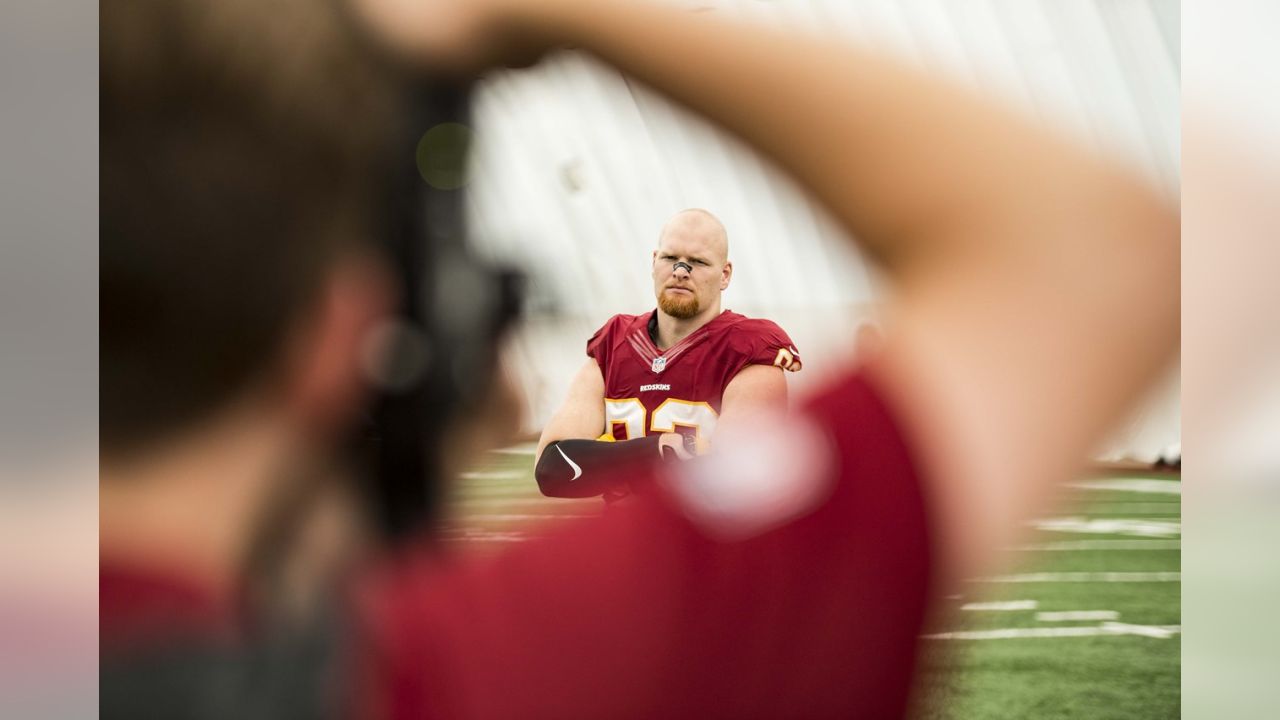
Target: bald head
[(696, 224), (691, 265)]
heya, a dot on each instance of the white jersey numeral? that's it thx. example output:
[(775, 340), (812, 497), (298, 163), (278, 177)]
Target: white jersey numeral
[(672, 412), (670, 415), (628, 412)]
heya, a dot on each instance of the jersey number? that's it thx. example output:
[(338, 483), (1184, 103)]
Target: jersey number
[(696, 418)]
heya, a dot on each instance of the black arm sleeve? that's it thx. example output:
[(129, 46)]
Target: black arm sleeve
[(589, 468)]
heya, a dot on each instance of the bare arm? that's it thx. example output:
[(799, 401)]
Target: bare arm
[(581, 417), (754, 390)]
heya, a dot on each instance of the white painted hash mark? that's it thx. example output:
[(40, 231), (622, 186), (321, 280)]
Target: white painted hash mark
[(1156, 631), (1000, 606), (1110, 526)]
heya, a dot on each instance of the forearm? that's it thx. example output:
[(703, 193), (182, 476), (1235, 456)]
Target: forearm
[(589, 468)]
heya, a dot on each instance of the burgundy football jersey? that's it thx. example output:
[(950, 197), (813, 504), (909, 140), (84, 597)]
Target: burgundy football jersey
[(649, 391)]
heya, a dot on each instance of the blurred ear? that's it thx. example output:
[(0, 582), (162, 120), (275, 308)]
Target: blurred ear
[(324, 383), (726, 275)]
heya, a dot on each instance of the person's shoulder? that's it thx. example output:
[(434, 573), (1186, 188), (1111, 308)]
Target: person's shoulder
[(621, 322), (612, 331), (757, 326), (761, 340), (753, 331)]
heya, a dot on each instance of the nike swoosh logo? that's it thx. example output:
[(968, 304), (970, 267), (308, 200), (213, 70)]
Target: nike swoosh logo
[(577, 471)]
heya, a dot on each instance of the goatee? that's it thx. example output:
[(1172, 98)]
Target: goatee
[(679, 306)]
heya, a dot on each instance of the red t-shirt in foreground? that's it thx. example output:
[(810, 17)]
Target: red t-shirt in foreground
[(788, 578)]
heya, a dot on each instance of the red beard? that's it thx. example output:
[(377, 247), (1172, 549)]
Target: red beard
[(678, 305)]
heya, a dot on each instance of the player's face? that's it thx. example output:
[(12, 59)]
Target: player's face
[(689, 272)]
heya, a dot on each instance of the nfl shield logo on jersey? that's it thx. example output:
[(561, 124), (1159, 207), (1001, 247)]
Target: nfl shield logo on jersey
[(659, 364)]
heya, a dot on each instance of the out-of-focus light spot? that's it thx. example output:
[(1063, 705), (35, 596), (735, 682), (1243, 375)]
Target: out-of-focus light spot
[(760, 476), (442, 156), (395, 355)]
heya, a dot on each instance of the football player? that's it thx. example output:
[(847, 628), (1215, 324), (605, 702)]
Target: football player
[(659, 382)]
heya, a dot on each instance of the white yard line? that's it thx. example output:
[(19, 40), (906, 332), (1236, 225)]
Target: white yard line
[(1110, 628), (1000, 606), (1140, 527), (1164, 632), (1082, 577), (1141, 485), (1168, 509), (1071, 545), (1077, 615)]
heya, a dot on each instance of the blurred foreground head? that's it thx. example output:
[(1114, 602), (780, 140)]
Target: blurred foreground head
[(242, 153)]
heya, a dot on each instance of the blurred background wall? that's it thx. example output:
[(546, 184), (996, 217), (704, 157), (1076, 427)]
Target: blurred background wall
[(576, 169)]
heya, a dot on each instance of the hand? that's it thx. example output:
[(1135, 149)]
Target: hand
[(461, 37), (675, 442)]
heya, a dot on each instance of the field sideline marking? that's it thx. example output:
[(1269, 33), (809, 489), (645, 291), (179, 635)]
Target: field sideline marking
[(1048, 577)]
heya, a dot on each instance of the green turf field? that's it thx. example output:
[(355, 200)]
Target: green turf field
[(1132, 591), (1111, 551)]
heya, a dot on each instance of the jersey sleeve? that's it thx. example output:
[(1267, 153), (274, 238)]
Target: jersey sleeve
[(600, 345), (762, 342)]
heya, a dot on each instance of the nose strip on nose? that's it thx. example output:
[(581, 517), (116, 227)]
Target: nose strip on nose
[(687, 267)]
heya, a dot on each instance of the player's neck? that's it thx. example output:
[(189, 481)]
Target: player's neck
[(672, 330)]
